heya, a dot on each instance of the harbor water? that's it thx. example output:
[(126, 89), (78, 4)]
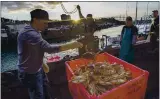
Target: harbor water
[(9, 57)]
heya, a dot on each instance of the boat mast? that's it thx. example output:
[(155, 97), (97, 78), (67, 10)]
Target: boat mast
[(136, 13), (126, 8), (147, 8)]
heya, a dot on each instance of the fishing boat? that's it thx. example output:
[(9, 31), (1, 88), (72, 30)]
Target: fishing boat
[(58, 84), (4, 36)]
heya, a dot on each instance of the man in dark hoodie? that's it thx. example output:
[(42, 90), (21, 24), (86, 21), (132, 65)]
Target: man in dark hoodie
[(155, 30), (90, 26), (31, 48)]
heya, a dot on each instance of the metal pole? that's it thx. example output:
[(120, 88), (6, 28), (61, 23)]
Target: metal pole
[(136, 13), (126, 8), (147, 8)]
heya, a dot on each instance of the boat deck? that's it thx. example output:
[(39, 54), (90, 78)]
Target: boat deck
[(58, 82)]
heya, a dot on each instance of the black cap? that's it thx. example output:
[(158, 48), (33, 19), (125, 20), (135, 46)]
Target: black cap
[(39, 14), (155, 11), (129, 18)]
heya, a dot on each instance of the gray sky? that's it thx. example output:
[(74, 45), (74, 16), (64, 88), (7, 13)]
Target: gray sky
[(21, 10)]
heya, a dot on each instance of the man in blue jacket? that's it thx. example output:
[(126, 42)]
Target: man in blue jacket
[(31, 48)]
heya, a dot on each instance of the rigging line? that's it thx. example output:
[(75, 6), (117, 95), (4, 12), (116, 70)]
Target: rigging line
[(66, 10), (63, 8), (75, 9), (72, 12)]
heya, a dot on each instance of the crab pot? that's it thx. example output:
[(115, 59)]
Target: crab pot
[(133, 89)]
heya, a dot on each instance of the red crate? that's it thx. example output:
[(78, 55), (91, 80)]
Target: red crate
[(133, 89)]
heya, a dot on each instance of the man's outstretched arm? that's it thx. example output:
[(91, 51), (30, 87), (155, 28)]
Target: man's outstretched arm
[(38, 41), (80, 13)]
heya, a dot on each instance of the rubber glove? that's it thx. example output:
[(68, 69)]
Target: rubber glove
[(71, 46), (45, 67)]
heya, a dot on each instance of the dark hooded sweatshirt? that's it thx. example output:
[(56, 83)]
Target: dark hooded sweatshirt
[(31, 48)]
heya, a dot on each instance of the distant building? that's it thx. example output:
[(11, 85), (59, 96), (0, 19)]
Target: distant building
[(65, 17)]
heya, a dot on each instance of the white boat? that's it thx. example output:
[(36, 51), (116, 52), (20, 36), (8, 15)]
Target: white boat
[(143, 28), (4, 33), (4, 36)]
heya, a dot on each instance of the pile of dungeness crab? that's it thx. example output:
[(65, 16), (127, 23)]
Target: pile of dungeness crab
[(101, 76)]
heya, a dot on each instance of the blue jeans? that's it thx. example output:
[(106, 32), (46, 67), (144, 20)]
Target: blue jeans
[(36, 84)]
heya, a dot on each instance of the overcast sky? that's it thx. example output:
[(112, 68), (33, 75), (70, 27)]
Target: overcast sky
[(21, 10)]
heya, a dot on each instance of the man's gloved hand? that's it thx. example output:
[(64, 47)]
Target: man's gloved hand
[(78, 7), (151, 33), (71, 46), (45, 67)]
